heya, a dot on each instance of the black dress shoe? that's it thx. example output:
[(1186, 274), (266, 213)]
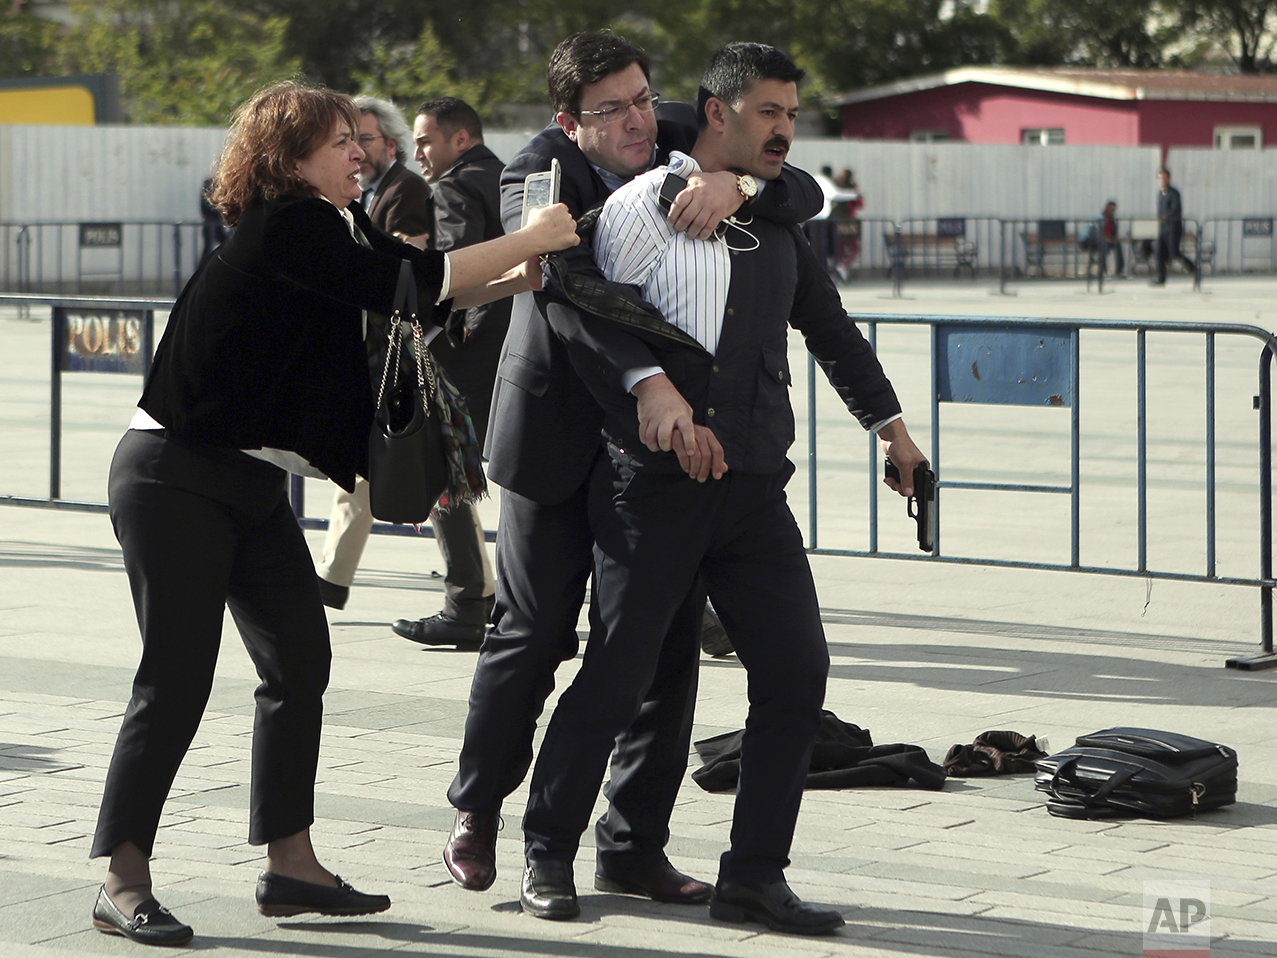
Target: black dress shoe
[(441, 629), (773, 905), (659, 881), (334, 596), (151, 924), (470, 854), (714, 640), (279, 896), (548, 891)]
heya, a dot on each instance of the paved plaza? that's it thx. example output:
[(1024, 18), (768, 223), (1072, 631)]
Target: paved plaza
[(922, 652)]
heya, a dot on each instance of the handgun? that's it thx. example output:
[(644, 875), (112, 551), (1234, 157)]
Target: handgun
[(921, 506)]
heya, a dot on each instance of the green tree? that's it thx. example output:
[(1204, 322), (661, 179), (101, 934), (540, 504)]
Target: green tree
[(1097, 33), (842, 44), (1242, 28), (28, 44), (179, 61)]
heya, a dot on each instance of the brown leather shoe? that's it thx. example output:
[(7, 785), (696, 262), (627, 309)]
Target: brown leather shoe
[(471, 852), (659, 881)]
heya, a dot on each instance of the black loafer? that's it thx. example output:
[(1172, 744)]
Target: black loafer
[(441, 629), (774, 905), (658, 880), (548, 891), (151, 924), (279, 896)]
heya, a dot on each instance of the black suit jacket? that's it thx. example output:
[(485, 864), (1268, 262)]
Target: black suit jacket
[(544, 428), (264, 345), (1170, 212), (467, 204), (402, 203), (741, 391)]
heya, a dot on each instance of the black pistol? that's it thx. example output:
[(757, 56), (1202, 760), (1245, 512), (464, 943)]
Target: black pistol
[(922, 504)]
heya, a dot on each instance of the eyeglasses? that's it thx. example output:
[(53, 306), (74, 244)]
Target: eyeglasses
[(366, 138), (644, 104)]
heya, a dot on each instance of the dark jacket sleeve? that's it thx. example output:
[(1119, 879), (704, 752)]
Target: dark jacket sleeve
[(459, 220), (793, 197), (589, 339), (841, 351), (1170, 211), (312, 248)]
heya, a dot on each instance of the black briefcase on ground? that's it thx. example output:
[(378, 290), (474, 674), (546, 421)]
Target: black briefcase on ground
[(1137, 772)]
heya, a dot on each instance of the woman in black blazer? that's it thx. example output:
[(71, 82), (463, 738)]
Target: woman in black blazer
[(262, 370)]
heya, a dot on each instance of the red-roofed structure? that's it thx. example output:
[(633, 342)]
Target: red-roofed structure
[(1068, 105)]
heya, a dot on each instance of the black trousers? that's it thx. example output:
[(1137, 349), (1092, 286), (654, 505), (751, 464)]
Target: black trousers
[(544, 559), (1167, 249), (465, 559), (655, 534), (201, 529)]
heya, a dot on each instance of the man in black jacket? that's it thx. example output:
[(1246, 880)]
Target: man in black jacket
[(542, 443), (465, 176), (657, 531), (1170, 226)]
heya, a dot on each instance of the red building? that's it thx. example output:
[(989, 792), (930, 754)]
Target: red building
[(1068, 105)]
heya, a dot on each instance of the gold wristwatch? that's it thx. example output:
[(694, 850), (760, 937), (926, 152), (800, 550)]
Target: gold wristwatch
[(747, 186)]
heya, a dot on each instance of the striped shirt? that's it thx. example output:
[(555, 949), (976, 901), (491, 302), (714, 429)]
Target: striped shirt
[(686, 279)]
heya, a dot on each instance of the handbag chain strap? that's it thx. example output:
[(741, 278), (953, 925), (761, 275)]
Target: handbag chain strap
[(392, 354), (406, 295)]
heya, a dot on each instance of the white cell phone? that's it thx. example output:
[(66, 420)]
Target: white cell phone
[(540, 189)]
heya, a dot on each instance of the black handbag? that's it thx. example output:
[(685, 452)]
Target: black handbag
[(1138, 771), (407, 463)]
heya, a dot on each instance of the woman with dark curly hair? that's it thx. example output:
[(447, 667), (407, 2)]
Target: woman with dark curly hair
[(262, 370)]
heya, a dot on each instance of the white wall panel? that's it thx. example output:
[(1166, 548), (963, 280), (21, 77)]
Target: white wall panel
[(119, 173), (79, 173), (901, 180)]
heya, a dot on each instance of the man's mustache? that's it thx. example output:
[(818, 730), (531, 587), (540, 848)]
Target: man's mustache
[(777, 142)]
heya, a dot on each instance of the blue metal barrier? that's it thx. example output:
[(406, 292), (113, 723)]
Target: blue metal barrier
[(123, 257), (1238, 244), (1029, 366), (115, 335), (973, 359)]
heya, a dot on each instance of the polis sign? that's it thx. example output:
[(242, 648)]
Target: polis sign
[(103, 340)]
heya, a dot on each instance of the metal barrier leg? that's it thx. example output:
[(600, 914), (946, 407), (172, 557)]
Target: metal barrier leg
[(297, 495), (871, 333), (55, 408), (1265, 659), (177, 260), (811, 452), (897, 267)]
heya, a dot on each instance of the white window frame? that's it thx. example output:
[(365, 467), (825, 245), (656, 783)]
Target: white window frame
[(928, 136), (1224, 137), (1046, 136)]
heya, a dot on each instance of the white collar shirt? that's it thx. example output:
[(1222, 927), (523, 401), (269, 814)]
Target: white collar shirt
[(686, 279)]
